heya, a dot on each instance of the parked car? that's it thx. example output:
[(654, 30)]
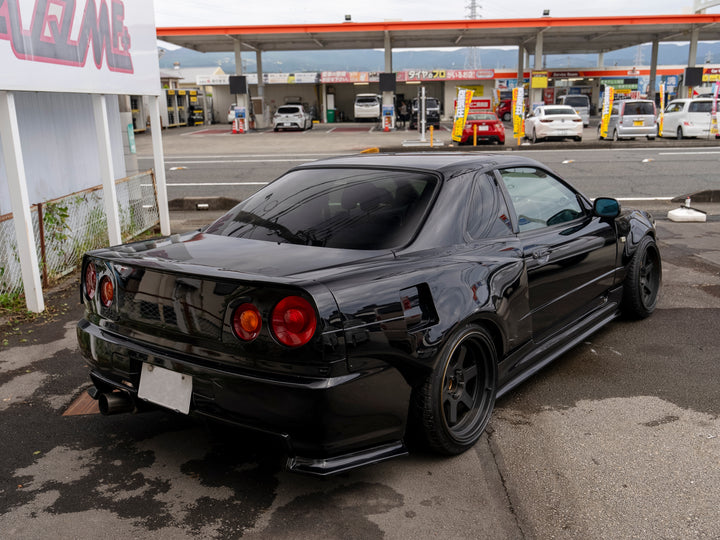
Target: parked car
[(231, 113), (553, 121), (486, 125), (632, 118), (432, 113), (367, 106), (687, 118), (292, 117), (581, 104), (504, 110), (340, 308)]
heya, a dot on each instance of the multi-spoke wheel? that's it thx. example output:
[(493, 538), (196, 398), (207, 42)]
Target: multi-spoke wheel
[(454, 404), (642, 282)]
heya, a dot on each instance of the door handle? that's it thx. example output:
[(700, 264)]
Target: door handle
[(541, 253)]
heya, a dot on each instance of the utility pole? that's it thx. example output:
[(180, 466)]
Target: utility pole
[(472, 54)]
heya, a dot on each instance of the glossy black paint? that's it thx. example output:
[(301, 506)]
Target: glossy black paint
[(383, 316)]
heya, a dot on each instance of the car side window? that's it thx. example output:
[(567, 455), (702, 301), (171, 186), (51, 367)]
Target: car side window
[(488, 216), (673, 107), (540, 199)]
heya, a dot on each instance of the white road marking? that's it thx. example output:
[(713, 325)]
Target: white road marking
[(687, 153), (196, 184), (239, 161)]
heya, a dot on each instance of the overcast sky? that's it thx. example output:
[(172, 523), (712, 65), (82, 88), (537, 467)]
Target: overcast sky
[(252, 12)]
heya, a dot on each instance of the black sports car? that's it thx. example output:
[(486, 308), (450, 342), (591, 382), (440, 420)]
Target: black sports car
[(356, 302)]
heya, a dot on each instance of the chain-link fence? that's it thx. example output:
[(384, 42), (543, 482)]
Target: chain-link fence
[(75, 224)]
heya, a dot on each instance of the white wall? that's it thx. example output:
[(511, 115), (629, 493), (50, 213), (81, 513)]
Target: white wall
[(59, 145)]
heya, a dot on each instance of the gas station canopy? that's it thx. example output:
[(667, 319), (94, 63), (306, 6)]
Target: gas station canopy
[(560, 35)]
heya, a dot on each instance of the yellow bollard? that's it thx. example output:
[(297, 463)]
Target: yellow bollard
[(432, 130), (474, 134)]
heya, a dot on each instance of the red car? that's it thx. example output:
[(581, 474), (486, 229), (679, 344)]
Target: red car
[(489, 128), (504, 110)]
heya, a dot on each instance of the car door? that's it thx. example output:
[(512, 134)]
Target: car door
[(671, 118), (569, 252)]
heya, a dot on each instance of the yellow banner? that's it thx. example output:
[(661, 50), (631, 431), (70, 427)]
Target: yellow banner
[(518, 107), (606, 110), (661, 116), (539, 79), (464, 97)]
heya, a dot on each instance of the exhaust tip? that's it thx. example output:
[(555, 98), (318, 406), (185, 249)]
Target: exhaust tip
[(115, 403)]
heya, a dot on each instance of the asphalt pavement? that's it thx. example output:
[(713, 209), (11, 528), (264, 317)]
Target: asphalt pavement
[(619, 438)]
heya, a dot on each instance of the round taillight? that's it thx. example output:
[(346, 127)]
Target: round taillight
[(90, 281), (246, 322), (293, 321), (107, 291)]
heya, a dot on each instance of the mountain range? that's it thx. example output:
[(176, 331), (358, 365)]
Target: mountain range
[(374, 60)]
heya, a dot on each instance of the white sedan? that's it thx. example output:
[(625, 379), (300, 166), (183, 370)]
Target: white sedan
[(292, 117), (559, 121)]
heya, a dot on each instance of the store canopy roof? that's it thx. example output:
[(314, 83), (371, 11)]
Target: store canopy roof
[(560, 35)]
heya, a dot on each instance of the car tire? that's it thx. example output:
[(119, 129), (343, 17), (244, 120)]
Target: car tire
[(501, 142), (615, 135), (578, 139), (533, 137), (679, 133), (452, 407), (506, 117), (275, 129), (642, 283), (599, 136), (651, 137)]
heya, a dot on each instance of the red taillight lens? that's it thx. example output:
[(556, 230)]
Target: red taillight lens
[(246, 322), (293, 321), (577, 119), (107, 291), (90, 281), (546, 120)]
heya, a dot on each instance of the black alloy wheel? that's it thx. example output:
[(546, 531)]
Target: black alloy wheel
[(453, 406), (642, 284)]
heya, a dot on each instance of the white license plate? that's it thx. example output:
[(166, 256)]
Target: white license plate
[(483, 128), (164, 387), (285, 124)]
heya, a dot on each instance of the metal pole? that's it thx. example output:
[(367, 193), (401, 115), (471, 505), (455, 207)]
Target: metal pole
[(159, 164), (102, 131), (19, 200)]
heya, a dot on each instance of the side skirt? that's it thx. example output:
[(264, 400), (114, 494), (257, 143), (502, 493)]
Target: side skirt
[(537, 356)]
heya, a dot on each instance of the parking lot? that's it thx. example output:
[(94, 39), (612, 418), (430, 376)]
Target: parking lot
[(619, 438)]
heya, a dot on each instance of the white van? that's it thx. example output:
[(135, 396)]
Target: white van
[(581, 104), (367, 106)]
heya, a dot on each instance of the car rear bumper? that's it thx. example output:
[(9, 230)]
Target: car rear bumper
[(328, 425)]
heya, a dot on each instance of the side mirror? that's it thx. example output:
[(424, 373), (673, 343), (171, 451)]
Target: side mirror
[(606, 207)]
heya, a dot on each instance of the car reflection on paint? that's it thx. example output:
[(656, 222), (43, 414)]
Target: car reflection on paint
[(358, 303)]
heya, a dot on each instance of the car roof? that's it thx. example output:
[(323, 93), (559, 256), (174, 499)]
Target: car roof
[(445, 163)]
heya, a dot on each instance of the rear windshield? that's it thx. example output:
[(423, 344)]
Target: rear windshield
[(335, 208), (558, 110), (371, 100), (639, 107), (700, 106), (481, 116), (577, 101), (288, 109)]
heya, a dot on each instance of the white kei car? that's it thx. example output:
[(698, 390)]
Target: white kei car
[(687, 118), (558, 121)]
